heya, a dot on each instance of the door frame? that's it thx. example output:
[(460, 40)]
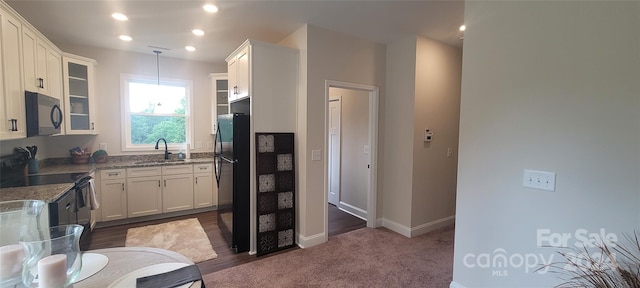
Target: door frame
[(372, 193), (330, 151)]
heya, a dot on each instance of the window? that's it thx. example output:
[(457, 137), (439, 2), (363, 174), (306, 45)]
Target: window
[(153, 111)]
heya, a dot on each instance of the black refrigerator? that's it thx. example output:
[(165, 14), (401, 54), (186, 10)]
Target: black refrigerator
[(231, 153)]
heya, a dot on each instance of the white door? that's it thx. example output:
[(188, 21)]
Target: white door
[(335, 108)]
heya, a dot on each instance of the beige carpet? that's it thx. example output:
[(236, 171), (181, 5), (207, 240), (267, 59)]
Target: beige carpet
[(362, 258), (184, 236)]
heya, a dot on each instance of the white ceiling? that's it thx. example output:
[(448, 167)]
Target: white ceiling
[(168, 23)]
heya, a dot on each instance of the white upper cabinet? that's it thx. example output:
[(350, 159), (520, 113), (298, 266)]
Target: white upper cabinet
[(54, 74), (238, 70), (267, 74), (12, 113), (42, 65), (28, 62), (79, 96), (219, 98)]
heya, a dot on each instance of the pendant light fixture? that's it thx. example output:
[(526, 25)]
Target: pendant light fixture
[(158, 69)]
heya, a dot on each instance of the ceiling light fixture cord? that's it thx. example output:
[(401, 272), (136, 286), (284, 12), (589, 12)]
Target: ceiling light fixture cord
[(158, 63)]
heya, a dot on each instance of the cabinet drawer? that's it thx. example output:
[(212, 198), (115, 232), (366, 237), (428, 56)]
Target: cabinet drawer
[(202, 168), (177, 169), (112, 174), (144, 171)]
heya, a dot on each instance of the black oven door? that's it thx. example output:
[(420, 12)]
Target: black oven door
[(83, 211)]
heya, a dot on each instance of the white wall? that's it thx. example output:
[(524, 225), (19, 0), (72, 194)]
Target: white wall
[(329, 56), (298, 40), (549, 86), (111, 63), (354, 136), (398, 125), (423, 77), (437, 107)]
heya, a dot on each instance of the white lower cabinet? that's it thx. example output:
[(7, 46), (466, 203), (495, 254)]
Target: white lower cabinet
[(177, 193), (177, 189), (113, 195), (144, 191), (204, 192)]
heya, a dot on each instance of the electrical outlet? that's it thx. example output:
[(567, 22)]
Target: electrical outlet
[(539, 180), (103, 146), (198, 144)]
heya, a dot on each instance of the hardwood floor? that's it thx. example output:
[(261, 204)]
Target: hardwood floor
[(342, 222), (108, 237)]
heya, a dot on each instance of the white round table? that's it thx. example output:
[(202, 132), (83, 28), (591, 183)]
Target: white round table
[(127, 259)]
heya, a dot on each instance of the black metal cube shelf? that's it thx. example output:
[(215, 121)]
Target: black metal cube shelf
[(275, 173)]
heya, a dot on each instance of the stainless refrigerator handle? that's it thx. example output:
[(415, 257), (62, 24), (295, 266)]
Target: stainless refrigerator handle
[(228, 161)]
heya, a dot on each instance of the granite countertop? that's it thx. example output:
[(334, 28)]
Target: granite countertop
[(46, 193), (51, 192), (79, 168)]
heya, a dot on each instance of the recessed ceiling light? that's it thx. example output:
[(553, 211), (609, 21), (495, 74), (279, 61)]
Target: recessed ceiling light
[(126, 38), (462, 28), (119, 16), (190, 48), (197, 32), (210, 8)]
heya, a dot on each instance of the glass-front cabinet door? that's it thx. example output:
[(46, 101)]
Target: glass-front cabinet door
[(219, 99), (79, 96)]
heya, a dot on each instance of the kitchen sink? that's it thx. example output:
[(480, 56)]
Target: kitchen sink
[(160, 161)]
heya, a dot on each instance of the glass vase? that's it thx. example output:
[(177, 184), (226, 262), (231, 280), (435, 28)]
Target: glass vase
[(53, 262), (18, 219)]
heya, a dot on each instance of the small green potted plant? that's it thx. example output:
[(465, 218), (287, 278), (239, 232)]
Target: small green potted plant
[(100, 156)]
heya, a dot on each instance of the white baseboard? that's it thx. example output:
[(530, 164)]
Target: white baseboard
[(453, 284), (396, 227), (433, 225), (313, 240), (418, 230), (353, 210)]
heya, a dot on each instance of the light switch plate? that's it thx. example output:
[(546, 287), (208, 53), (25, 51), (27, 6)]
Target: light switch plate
[(315, 155)]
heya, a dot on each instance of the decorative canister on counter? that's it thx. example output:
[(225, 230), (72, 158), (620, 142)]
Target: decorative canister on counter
[(100, 156), (33, 166)]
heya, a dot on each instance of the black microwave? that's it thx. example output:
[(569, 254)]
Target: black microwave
[(44, 116)]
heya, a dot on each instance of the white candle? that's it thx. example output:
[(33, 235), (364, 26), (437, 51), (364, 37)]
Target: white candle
[(52, 271), (11, 257)]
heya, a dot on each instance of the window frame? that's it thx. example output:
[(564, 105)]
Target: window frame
[(125, 122)]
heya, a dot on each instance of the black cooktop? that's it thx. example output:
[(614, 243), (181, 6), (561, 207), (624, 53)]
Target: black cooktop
[(32, 180)]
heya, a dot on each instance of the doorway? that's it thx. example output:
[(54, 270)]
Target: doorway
[(350, 162)]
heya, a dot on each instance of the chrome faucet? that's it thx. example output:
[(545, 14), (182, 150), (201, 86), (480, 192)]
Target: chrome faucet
[(166, 150)]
